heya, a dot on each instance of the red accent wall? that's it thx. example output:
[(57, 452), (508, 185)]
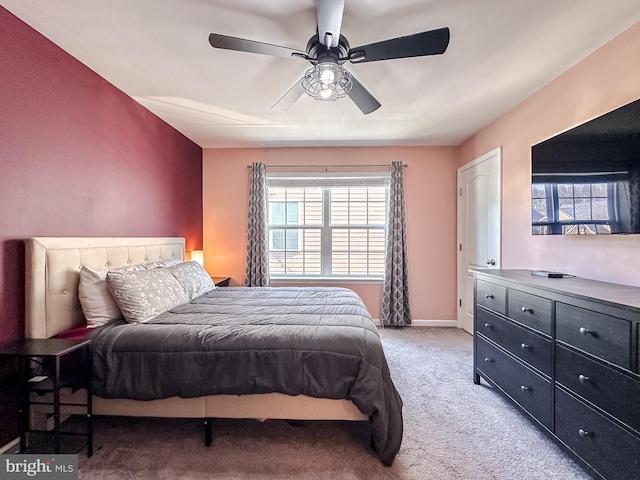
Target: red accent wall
[(78, 157)]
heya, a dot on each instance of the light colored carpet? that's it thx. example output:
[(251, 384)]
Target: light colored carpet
[(453, 430)]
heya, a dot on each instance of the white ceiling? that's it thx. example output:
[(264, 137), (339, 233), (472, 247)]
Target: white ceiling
[(157, 51)]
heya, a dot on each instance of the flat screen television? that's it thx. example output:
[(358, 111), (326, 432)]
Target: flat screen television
[(586, 181)]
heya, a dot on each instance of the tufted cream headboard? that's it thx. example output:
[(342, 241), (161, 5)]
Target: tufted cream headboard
[(53, 271)]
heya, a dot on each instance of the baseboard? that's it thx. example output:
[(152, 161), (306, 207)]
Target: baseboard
[(427, 323), (434, 323), (9, 445)]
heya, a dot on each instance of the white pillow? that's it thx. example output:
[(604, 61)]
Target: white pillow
[(193, 277), (144, 294), (97, 303), (98, 306)]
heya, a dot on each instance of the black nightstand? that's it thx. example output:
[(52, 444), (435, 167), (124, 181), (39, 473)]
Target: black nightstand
[(46, 366), (221, 281)]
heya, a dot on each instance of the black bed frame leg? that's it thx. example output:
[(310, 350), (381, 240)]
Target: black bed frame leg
[(373, 444), (207, 432)]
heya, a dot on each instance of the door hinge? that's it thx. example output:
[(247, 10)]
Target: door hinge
[(460, 302), (460, 191), (460, 247)]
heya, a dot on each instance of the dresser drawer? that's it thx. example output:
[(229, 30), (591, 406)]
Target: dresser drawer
[(491, 296), (609, 449), (601, 335), (612, 391), (531, 348), (530, 309), (527, 388)]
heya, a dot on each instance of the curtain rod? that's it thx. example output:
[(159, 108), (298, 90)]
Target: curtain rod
[(405, 165)]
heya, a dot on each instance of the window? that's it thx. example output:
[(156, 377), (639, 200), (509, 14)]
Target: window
[(283, 213), (327, 226), (573, 208)]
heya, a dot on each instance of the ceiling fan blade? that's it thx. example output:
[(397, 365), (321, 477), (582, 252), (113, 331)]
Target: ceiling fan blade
[(329, 21), (362, 98), (433, 42), (289, 98), (251, 46)]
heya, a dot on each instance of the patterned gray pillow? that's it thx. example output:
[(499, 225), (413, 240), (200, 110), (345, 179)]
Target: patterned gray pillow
[(161, 264), (98, 305), (194, 279), (144, 294)]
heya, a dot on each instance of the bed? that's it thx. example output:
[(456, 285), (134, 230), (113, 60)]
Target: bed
[(272, 353)]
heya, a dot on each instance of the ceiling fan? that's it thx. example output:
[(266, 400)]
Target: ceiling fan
[(328, 50)]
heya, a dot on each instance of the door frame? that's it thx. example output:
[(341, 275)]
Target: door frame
[(461, 275)]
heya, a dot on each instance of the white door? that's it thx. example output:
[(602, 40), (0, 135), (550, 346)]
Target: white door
[(479, 203)]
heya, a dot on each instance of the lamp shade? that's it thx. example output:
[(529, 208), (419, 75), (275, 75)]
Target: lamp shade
[(197, 256)]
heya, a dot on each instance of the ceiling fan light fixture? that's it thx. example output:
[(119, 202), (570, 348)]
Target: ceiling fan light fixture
[(327, 81)]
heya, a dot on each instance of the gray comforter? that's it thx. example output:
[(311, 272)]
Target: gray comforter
[(319, 342)]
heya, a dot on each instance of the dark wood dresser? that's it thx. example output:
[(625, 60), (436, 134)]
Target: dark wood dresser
[(567, 352)]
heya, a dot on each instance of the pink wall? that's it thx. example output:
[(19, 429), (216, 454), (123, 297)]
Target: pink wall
[(430, 187), (80, 158), (607, 79)]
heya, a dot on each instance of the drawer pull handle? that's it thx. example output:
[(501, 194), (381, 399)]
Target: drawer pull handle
[(584, 433), (488, 295), (584, 331), (524, 388), (488, 325), (524, 346), (525, 310), (488, 360), (583, 378)]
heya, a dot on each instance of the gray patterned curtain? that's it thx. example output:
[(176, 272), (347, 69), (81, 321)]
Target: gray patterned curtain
[(395, 294), (257, 270)]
